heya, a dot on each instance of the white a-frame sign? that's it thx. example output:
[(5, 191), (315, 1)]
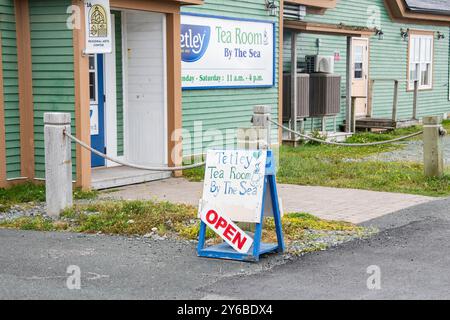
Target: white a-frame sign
[(240, 186)]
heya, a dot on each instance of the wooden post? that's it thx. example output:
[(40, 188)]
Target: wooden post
[(432, 147), (25, 73), (395, 102), (294, 91), (353, 115), (370, 98), (416, 97), (82, 110), (348, 110), (174, 94), (58, 163)]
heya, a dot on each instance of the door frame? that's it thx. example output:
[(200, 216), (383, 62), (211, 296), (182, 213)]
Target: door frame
[(111, 101), (101, 107), (174, 95), (367, 40)]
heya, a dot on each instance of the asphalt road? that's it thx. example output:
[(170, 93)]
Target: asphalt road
[(412, 253)]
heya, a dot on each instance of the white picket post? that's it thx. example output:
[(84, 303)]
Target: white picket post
[(260, 120), (58, 163), (432, 146)]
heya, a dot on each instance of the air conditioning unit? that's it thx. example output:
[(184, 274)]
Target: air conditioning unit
[(325, 95), (322, 64), (302, 96)]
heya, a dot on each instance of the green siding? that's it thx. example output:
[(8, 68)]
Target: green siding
[(388, 58), (11, 91), (119, 80), (227, 109), (53, 65)]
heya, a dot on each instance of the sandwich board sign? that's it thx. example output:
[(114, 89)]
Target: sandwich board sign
[(236, 187)]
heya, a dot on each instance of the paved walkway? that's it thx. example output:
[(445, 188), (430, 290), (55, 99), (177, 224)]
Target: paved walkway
[(350, 205)]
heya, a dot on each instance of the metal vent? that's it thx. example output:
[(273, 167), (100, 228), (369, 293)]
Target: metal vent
[(294, 12), (311, 64), (325, 95), (302, 96)]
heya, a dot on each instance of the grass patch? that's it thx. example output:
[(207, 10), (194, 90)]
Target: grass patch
[(79, 194), (446, 124), (300, 166), (129, 217), (141, 217), (35, 223), (21, 193), (194, 175), (367, 137), (295, 226), (341, 167), (29, 192)]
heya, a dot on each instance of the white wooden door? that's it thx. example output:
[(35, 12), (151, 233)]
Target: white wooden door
[(146, 134), (360, 74)]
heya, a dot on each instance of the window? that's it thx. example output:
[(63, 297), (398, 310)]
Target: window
[(92, 79), (421, 60), (359, 62)]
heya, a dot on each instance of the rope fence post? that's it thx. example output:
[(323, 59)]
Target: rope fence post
[(58, 163), (261, 123), (432, 146), (353, 116)]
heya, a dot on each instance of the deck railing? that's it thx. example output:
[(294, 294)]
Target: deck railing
[(396, 83)]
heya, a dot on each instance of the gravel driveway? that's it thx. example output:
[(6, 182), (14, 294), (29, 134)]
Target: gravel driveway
[(413, 152)]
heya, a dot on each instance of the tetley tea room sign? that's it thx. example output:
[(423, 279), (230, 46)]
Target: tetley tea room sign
[(226, 53)]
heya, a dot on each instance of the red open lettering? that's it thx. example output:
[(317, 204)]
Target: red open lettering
[(222, 223), (229, 232), (212, 216), (226, 229), (239, 241)]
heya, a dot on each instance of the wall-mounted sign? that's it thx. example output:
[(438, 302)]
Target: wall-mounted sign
[(226, 53), (98, 26), (234, 183), (337, 56)]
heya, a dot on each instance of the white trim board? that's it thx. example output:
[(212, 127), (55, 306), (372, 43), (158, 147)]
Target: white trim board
[(111, 101)]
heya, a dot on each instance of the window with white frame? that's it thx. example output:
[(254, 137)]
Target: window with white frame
[(421, 61)]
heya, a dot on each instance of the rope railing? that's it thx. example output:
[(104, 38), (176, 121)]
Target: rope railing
[(130, 165), (201, 164), (342, 144)]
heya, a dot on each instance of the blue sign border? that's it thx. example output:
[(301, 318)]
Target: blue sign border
[(241, 86)]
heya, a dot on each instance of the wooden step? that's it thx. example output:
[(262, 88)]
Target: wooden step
[(382, 123)]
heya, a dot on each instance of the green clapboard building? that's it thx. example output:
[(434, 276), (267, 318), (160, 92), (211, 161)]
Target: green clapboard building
[(379, 49), (166, 90)]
